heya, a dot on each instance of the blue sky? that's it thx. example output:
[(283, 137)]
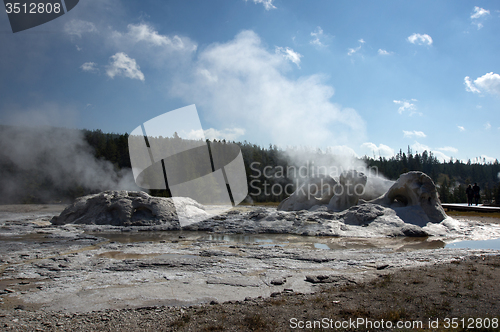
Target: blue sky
[(355, 77)]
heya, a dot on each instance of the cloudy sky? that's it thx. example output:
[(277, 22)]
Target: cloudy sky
[(361, 77)]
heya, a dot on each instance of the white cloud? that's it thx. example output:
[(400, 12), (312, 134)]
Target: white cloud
[(441, 156), (419, 39), (414, 133), (487, 159), (384, 52), (211, 78), (380, 150), (122, 65), (268, 4), (407, 105), (469, 86), (317, 36), (448, 149), (478, 16), (479, 12), (252, 92), (90, 66), (461, 128), (146, 35), (489, 82), (229, 134), (351, 51), (79, 27), (289, 54), (487, 126), (420, 148)]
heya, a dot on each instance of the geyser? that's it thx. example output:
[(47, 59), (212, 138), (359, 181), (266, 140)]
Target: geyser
[(413, 197)]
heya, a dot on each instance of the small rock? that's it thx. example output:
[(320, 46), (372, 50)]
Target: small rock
[(383, 266), (275, 294), (278, 281)]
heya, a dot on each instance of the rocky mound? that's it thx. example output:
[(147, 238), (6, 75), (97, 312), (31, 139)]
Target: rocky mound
[(413, 197), (129, 208), (364, 220), (405, 209)]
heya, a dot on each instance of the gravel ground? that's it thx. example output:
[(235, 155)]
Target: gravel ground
[(466, 289)]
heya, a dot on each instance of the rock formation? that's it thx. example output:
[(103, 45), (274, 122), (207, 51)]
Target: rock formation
[(129, 208), (348, 191), (413, 196), (414, 193), (407, 209), (315, 191), (325, 190)]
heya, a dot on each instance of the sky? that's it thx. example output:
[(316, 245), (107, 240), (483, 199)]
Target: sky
[(349, 77)]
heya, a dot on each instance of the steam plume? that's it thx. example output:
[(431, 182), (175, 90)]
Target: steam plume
[(40, 164), (333, 164)]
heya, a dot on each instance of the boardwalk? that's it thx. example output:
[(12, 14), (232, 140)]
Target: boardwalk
[(464, 207)]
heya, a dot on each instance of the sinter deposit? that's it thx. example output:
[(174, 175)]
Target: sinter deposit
[(129, 208), (413, 197), (410, 207)]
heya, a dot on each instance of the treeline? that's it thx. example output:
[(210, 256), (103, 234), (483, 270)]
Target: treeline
[(452, 177), (269, 185), (272, 173)]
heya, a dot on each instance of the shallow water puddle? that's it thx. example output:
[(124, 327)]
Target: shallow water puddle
[(480, 244), (272, 240)]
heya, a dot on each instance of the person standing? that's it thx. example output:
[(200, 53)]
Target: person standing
[(470, 195), (476, 190)]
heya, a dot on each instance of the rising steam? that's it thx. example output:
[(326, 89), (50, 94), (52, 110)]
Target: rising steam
[(333, 164), (42, 164)]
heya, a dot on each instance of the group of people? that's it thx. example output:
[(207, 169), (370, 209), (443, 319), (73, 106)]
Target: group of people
[(472, 193)]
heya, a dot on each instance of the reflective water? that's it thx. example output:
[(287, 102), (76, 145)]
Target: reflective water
[(271, 240), (483, 244)]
